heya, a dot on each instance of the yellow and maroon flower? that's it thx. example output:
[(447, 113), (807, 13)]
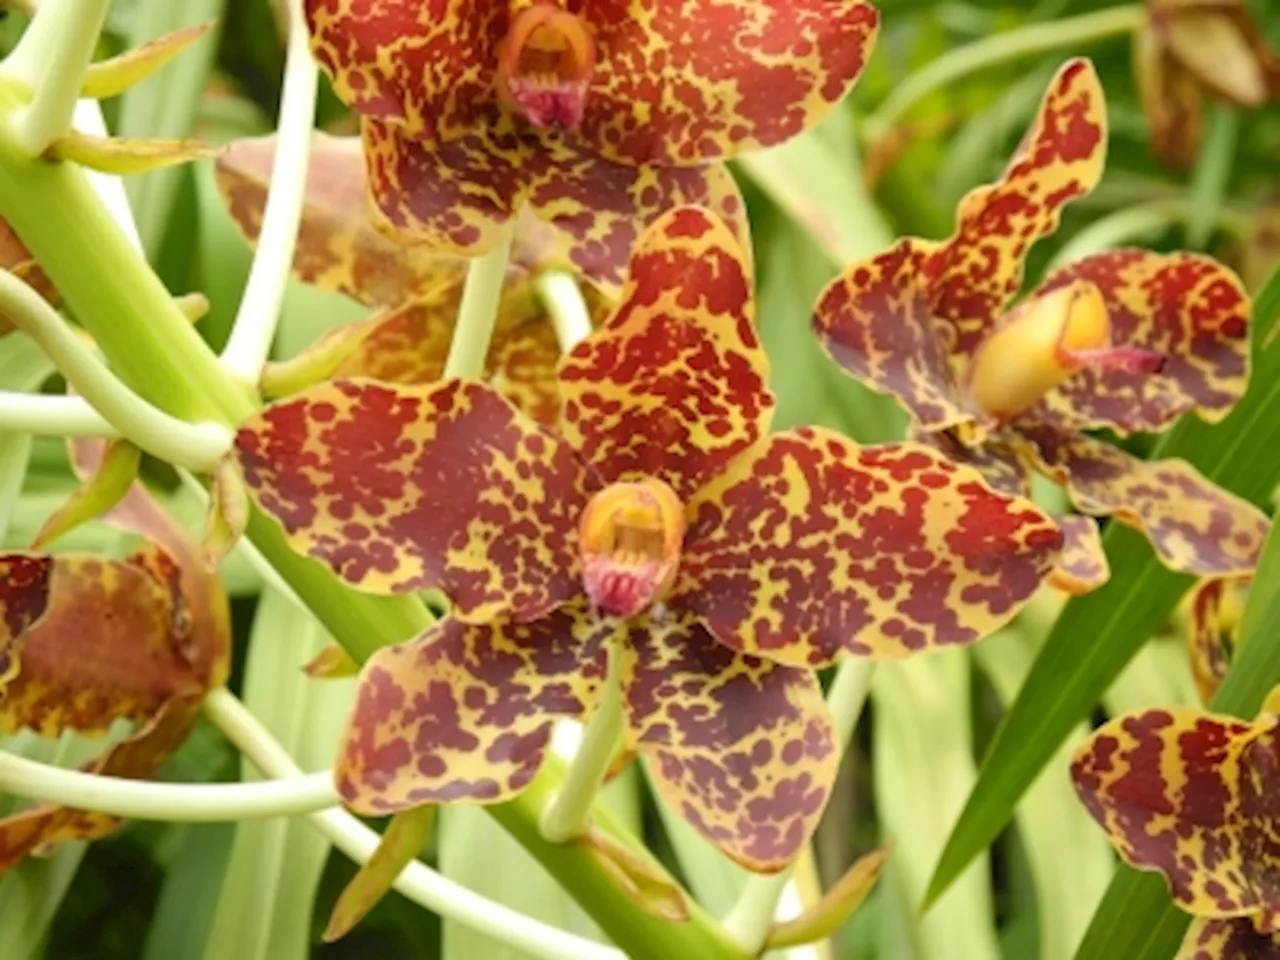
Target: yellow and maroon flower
[(1188, 49), (659, 519), (415, 291), (1213, 608), (597, 115), (1192, 795), (1125, 339), (88, 640)]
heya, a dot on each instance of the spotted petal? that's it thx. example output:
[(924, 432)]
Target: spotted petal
[(464, 713), (1231, 939), (1190, 795), (1190, 310), (402, 488), (1214, 607), (666, 89), (674, 385), (1082, 566), (458, 195), (338, 247), (875, 321), (1061, 158), (810, 546), (997, 460), (742, 748), (1170, 99), (1195, 526)]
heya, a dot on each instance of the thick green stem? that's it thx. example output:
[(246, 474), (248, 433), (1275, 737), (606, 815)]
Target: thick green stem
[(50, 415), (752, 916), (1001, 48), (563, 299), (478, 312), (569, 814)]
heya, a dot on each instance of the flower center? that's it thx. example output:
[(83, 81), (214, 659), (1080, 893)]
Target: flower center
[(630, 542), (1043, 343), (545, 65)]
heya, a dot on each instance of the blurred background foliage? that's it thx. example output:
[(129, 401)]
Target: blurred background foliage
[(263, 890)]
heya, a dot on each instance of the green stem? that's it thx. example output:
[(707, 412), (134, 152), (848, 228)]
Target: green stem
[(50, 415), (255, 325), (1001, 48), (752, 916), (563, 299), (172, 802), (197, 446), (478, 312), (568, 815), (417, 881), (51, 59)]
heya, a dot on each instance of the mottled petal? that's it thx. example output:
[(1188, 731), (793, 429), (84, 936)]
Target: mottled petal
[(995, 459), (1188, 309), (673, 385), (402, 488), (742, 748), (1227, 939), (1190, 795), (875, 322), (1214, 607), (39, 829), (1170, 98), (24, 597), (810, 546), (1082, 565), (464, 713), (685, 81), (1061, 158), (1195, 526), (523, 367)]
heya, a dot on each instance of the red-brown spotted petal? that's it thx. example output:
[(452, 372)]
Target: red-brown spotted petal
[(1190, 795), (874, 320), (1188, 309), (24, 598), (1170, 98), (1061, 158), (1214, 607), (401, 488), (1227, 939), (1195, 526), (43, 827), (669, 89), (810, 546), (463, 713), (109, 645), (996, 460), (674, 385), (1082, 565), (524, 366), (742, 748)]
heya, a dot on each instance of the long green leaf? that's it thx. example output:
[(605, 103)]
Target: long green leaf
[(1136, 917), (1096, 635)]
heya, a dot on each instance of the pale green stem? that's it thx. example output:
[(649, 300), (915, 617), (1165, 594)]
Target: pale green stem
[(478, 312), (88, 119), (752, 916), (255, 326), (197, 446), (1001, 48), (417, 881), (563, 299), (568, 814), (51, 60), (51, 416), (1139, 223), (174, 802)]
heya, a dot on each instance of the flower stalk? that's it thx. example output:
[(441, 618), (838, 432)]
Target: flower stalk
[(566, 306), (52, 416), (478, 312)]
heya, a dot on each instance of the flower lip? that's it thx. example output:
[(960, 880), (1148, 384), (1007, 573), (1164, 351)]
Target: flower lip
[(630, 538), (545, 66)]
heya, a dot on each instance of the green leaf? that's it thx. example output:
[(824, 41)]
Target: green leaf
[(1136, 918), (264, 911), (189, 896), (1096, 635)]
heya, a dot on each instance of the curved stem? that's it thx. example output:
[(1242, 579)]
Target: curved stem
[(52, 416), (1001, 48), (566, 817), (197, 446), (752, 916), (563, 299), (478, 312), (175, 802), (417, 881), (255, 325), (51, 58)]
